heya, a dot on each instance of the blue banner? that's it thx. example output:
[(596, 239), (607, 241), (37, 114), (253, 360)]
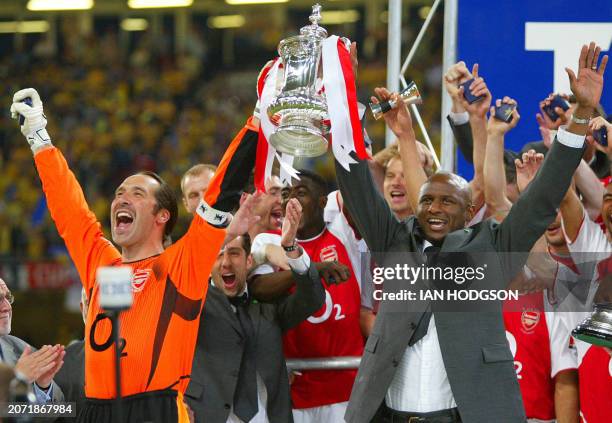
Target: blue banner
[(523, 47)]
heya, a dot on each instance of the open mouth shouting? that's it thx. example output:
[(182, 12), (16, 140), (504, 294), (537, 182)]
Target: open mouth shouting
[(229, 281), (397, 197), (123, 221)]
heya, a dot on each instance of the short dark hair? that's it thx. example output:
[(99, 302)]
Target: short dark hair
[(166, 199), (246, 243), (318, 181)]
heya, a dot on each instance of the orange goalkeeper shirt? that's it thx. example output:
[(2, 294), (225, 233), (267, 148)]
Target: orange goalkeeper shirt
[(158, 334)]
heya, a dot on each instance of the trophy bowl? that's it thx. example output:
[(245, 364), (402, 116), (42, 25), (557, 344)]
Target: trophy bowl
[(300, 109), (597, 328)]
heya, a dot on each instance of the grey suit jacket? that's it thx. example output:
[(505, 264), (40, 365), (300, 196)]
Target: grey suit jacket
[(463, 138), (12, 348), (474, 349), (220, 348), (71, 377)]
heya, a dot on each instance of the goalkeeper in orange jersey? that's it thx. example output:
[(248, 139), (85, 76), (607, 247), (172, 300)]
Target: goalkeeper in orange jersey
[(158, 334)]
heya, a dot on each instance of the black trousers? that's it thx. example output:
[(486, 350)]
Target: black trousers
[(385, 415), (148, 407)]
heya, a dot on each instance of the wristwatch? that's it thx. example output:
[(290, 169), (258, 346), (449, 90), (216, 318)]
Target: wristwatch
[(580, 121), (291, 248)]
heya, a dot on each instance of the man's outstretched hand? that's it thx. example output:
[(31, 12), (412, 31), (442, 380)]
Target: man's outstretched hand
[(588, 84)]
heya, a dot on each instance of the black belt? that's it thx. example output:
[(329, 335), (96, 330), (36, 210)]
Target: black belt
[(443, 416)]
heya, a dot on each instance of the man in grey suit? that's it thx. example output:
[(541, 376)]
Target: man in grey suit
[(31, 366), (239, 372), (454, 366)]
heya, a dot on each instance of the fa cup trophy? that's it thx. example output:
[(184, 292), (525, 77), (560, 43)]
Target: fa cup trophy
[(300, 109), (597, 328)]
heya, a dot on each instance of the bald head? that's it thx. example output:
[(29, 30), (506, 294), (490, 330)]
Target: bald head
[(453, 180), (445, 205)]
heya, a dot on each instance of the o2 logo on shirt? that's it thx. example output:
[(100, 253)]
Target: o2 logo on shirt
[(518, 366), (328, 309)]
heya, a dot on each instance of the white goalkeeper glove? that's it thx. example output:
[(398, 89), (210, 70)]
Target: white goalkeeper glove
[(35, 122)]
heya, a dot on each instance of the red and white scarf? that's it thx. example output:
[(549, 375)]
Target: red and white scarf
[(340, 92)]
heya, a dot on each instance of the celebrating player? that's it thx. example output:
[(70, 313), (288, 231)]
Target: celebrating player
[(158, 333)]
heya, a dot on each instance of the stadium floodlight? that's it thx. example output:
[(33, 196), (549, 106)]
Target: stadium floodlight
[(40, 5), (227, 21), (150, 4), (134, 24), (335, 17), (235, 2), (24, 27)]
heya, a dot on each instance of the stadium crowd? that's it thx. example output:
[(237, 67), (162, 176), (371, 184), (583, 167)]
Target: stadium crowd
[(289, 275)]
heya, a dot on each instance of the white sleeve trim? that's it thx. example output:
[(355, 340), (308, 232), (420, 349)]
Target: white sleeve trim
[(459, 118), (258, 246), (301, 264), (213, 216), (570, 139)]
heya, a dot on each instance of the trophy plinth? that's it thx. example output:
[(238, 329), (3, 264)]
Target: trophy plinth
[(300, 109), (597, 328)]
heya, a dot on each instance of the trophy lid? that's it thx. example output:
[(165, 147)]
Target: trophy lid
[(314, 30)]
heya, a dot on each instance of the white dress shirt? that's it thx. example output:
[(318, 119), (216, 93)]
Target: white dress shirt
[(420, 384)]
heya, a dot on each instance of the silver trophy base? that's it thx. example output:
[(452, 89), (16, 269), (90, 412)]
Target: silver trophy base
[(597, 328), (299, 136)]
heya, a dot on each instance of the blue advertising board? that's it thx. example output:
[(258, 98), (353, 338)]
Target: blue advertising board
[(522, 48)]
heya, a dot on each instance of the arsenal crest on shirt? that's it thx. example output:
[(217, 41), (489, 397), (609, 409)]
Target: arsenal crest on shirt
[(139, 279), (530, 319), (328, 253)]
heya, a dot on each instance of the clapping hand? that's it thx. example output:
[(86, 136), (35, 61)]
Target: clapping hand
[(291, 223), (42, 365), (244, 218)]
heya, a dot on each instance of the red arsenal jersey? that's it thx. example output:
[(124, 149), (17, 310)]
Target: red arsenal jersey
[(333, 331), (541, 345), (595, 375)]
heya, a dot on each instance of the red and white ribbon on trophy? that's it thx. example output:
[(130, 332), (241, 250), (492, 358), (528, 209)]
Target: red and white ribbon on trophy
[(267, 90), (341, 95)]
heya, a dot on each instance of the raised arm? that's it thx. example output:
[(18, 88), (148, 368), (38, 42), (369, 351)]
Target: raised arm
[(458, 117), (197, 250), (591, 189), (536, 207), (478, 124), (75, 222), (400, 122), (496, 200), (371, 213)]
